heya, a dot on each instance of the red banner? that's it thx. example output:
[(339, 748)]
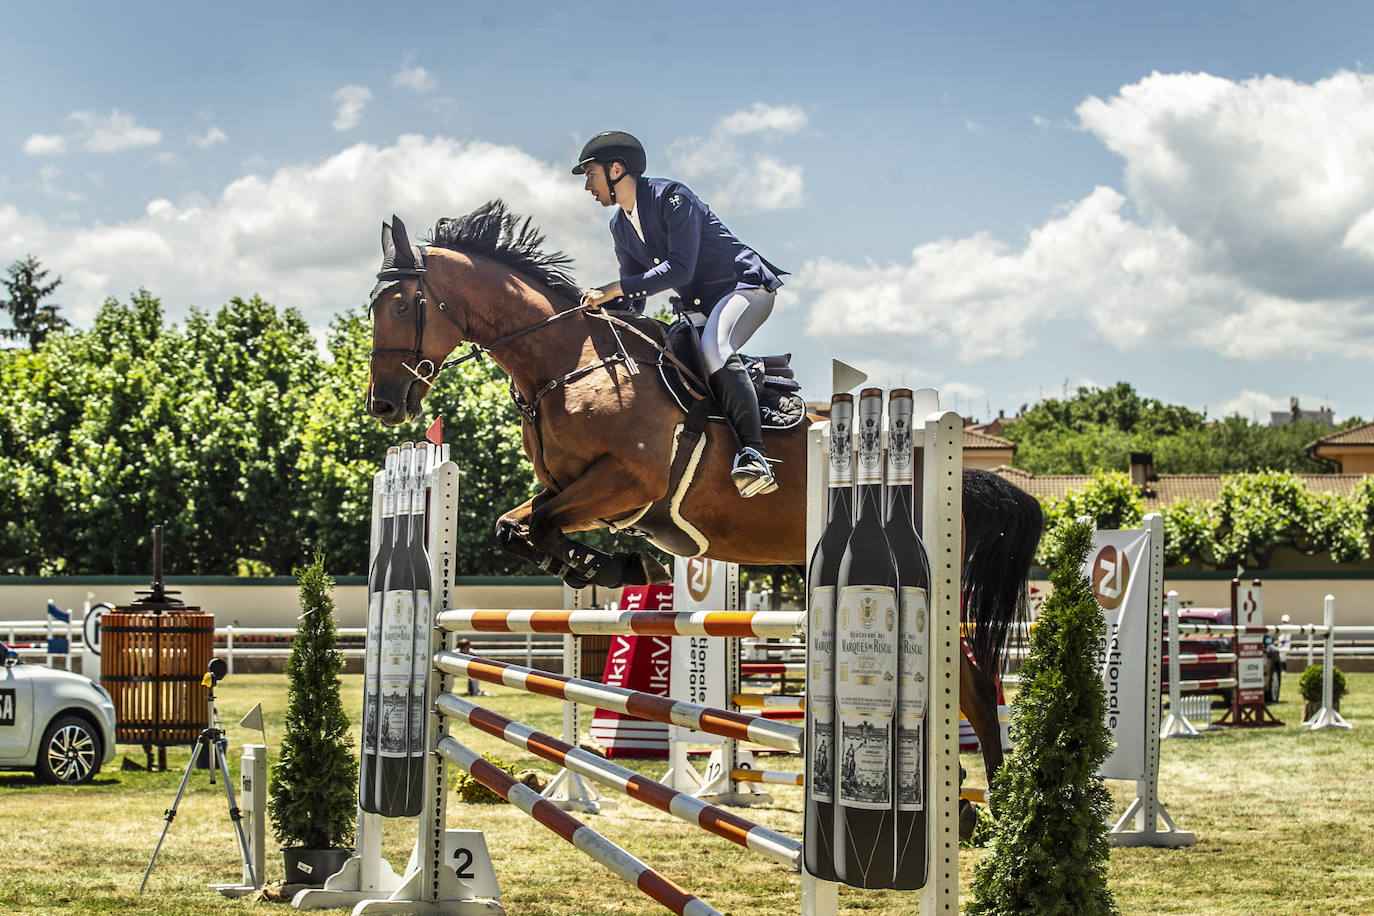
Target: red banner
[(642, 663)]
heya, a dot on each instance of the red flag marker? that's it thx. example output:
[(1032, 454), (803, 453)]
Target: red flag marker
[(435, 433)]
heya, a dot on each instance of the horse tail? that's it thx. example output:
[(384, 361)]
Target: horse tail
[(1002, 525)]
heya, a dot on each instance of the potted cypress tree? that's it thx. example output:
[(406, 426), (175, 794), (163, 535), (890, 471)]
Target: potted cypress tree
[(1050, 845), (313, 790)]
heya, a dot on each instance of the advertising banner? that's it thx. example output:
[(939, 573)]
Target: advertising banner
[(1119, 570), (699, 661), (640, 663)]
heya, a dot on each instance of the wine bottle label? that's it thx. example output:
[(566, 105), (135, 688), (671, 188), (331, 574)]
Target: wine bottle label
[(914, 666), (912, 692), (866, 694), (393, 725), (841, 450), (370, 674), (910, 766), (820, 694), (870, 434), (421, 660), (899, 456), (398, 619)]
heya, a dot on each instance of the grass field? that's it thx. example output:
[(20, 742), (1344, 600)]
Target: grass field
[(1284, 819)]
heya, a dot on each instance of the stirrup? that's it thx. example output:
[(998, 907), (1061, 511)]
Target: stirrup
[(751, 474)]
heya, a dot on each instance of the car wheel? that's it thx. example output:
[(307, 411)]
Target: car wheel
[(1272, 684), (70, 752)]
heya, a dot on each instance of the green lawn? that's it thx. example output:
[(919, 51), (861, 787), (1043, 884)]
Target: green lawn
[(1282, 818)]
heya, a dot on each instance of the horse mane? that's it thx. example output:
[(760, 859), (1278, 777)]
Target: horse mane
[(494, 232)]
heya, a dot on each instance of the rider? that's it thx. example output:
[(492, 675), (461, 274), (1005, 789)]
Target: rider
[(666, 238)]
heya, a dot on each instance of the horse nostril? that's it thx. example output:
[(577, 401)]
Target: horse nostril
[(380, 408)]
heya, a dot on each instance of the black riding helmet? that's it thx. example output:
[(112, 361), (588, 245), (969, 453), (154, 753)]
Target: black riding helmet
[(613, 146)]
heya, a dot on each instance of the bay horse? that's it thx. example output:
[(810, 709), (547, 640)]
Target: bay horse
[(602, 433)]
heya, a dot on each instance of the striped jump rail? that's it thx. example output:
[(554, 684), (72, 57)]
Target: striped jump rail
[(1200, 658), (681, 805), (735, 624), (698, 718), (602, 850), (1223, 683), (1226, 629), (771, 777), (768, 701)]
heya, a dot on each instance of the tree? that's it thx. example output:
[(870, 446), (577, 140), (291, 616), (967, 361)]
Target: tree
[(26, 290), (1050, 847), (312, 799), (1110, 499)]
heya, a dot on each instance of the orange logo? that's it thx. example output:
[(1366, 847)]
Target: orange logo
[(698, 578), (1111, 574)]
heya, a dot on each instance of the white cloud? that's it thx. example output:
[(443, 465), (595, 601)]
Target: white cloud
[(45, 145), (349, 102), (758, 118), (113, 132), (48, 184), (168, 158), (416, 79), (749, 179), (306, 236), (213, 136), (1246, 229)]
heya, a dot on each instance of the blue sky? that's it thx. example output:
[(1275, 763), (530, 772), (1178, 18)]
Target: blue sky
[(998, 200)]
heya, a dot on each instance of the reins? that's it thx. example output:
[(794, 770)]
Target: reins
[(528, 408)]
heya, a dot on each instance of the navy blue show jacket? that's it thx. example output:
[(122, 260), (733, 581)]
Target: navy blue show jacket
[(685, 248)]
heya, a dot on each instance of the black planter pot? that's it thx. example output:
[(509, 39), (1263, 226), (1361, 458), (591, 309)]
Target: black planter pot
[(312, 866)]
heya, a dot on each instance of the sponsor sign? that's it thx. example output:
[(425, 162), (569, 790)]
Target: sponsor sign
[(1249, 649), (699, 661), (642, 663), (1118, 568)]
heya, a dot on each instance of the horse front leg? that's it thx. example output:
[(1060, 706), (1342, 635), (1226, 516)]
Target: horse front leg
[(608, 488), (513, 536)]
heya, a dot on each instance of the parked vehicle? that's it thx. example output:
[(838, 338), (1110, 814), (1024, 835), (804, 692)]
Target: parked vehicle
[(1206, 671), (58, 724)]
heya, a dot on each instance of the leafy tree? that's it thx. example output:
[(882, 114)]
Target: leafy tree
[(1258, 513), (1188, 531), (1097, 429), (1109, 499), (26, 290), (1050, 847)]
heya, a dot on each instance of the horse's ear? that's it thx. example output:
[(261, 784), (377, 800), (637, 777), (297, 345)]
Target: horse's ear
[(405, 257), (388, 246)]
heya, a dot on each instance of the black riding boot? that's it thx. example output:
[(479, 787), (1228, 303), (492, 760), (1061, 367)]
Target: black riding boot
[(738, 401)]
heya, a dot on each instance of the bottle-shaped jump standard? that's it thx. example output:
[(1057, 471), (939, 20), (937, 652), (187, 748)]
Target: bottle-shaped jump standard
[(369, 762), (420, 655), (866, 671), (398, 619), (821, 577), (913, 639)]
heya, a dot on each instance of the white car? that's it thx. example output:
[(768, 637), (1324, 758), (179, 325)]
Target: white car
[(58, 724)]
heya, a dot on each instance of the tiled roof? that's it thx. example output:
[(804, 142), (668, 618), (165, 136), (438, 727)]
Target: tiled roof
[(1166, 489), (976, 439), (1355, 435)]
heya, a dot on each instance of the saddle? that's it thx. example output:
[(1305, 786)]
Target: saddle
[(781, 405)]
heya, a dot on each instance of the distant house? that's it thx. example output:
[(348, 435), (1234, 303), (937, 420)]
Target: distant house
[(1296, 414), (1350, 451)]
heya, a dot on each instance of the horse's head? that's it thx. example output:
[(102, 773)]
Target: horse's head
[(405, 359)]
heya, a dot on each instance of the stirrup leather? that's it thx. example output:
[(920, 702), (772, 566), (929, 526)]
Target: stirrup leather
[(751, 474)]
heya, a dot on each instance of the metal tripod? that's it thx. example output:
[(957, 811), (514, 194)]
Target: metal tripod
[(211, 743)]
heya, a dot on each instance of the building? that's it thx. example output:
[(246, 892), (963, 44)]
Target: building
[(1350, 451)]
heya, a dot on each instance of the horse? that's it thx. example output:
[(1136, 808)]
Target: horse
[(602, 433)]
